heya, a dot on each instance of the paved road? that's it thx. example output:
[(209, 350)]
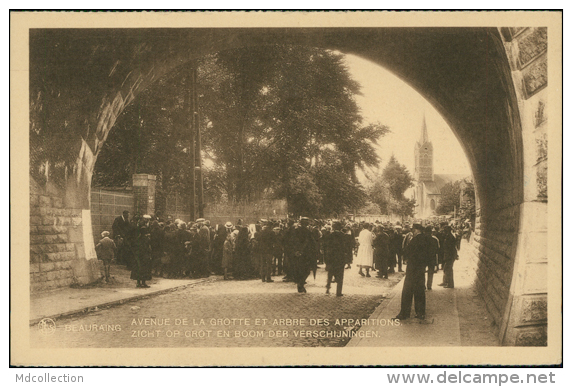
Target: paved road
[(228, 314)]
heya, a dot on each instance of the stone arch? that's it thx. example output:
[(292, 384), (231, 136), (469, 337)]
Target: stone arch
[(484, 81)]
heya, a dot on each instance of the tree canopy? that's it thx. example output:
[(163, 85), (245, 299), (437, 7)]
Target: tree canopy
[(388, 189), (451, 195), (276, 121)]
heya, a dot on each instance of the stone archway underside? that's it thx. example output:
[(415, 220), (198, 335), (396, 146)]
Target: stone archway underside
[(468, 74)]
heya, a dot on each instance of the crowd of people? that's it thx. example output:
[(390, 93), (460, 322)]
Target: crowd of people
[(152, 246)]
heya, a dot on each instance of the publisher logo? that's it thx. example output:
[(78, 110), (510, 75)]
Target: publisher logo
[(47, 326)]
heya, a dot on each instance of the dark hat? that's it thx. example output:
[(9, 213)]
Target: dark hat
[(337, 225), (418, 226)]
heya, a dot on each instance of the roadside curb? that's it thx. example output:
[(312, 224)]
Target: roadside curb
[(354, 341), (93, 308)]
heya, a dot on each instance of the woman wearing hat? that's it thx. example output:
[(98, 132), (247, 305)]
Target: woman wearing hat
[(364, 259)]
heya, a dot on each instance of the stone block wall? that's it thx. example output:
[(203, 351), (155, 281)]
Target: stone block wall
[(56, 242)]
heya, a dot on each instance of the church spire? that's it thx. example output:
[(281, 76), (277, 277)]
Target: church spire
[(424, 134)]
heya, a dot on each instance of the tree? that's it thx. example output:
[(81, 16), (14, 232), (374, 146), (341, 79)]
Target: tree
[(467, 208), (275, 120), (388, 189), (450, 198)]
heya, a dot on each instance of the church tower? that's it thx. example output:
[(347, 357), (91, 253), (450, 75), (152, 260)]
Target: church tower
[(423, 156)]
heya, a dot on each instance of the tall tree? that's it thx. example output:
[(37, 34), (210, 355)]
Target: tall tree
[(450, 198), (388, 189), (274, 119)]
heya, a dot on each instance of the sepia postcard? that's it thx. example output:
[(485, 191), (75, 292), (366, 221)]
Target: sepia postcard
[(293, 188)]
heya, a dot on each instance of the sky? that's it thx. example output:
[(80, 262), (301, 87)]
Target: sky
[(392, 102)]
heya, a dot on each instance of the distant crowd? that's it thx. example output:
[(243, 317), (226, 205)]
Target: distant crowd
[(152, 246)]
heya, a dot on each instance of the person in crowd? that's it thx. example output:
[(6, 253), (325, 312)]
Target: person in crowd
[(303, 254), (407, 237), (432, 255), (450, 255), (205, 243), (364, 259), (157, 240), (141, 271), (168, 260), (416, 254), (351, 245), (266, 241), (441, 236), (227, 256), (221, 234), (241, 261), (106, 251), (316, 236), (199, 261), (278, 254), (396, 249), (287, 243), (121, 225), (122, 233), (381, 246), (335, 256)]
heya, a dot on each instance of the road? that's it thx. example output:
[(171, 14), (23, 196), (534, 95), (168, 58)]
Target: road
[(232, 313)]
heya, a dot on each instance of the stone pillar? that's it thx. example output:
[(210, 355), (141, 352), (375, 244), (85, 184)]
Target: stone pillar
[(525, 316), (144, 193)]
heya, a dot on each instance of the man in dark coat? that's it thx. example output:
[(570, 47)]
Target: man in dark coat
[(121, 225), (381, 254), (431, 256), (450, 254), (303, 248), (335, 257), (266, 242), (396, 246), (416, 254), (441, 236), (287, 243), (278, 253), (122, 235), (350, 245), (142, 264)]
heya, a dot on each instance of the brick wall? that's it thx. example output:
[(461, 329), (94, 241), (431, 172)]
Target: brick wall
[(177, 206), (106, 205), (495, 243)]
